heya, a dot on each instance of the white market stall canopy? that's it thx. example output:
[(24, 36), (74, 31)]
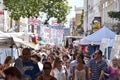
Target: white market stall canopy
[(6, 41), (14, 39), (29, 44), (96, 37)]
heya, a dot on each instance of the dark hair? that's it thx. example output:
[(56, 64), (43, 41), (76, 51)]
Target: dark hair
[(47, 63), (36, 56), (12, 71), (100, 52), (44, 60), (26, 50), (82, 57), (57, 61), (65, 56)]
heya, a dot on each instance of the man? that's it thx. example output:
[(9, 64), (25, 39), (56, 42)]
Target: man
[(29, 68), (97, 66)]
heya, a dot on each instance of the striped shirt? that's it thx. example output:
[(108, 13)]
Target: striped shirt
[(96, 68)]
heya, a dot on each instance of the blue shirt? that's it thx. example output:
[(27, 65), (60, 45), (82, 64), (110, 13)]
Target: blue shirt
[(73, 63), (96, 68), (31, 70)]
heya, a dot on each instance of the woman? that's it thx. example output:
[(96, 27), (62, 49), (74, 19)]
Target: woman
[(59, 72), (80, 71), (7, 62), (113, 69), (46, 72), (51, 59)]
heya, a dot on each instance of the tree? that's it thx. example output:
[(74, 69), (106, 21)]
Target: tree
[(32, 8), (58, 9), (115, 15)]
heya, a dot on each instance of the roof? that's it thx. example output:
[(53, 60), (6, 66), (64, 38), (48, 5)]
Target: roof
[(97, 37)]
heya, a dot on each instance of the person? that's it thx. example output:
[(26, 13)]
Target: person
[(47, 67), (6, 65), (37, 59), (12, 73), (80, 71), (113, 69), (67, 65), (97, 67), (74, 61), (51, 59), (59, 72), (65, 58), (7, 62), (86, 59), (2, 76), (19, 64), (30, 68)]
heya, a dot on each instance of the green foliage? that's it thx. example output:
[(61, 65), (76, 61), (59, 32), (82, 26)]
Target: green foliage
[(81, 19), (58, 9), (31, 8), (113, 14)]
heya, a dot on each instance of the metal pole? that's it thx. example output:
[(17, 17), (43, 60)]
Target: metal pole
[(87, 17)]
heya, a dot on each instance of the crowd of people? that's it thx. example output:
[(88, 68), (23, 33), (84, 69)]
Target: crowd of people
[(54, 63)]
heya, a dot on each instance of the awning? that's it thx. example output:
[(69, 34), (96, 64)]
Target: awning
[(14, 37), (6, 41), (29, 44)]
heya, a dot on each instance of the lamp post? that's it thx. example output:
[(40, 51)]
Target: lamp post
[(87, 16)]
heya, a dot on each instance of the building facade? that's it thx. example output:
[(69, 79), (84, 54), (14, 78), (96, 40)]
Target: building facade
[(98, 9), (74, 22), (1, 16), (107, 6), (5, 21), (78, 12)]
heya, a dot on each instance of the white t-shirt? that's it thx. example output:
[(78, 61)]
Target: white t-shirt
[(59, 75), (40, 65)]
